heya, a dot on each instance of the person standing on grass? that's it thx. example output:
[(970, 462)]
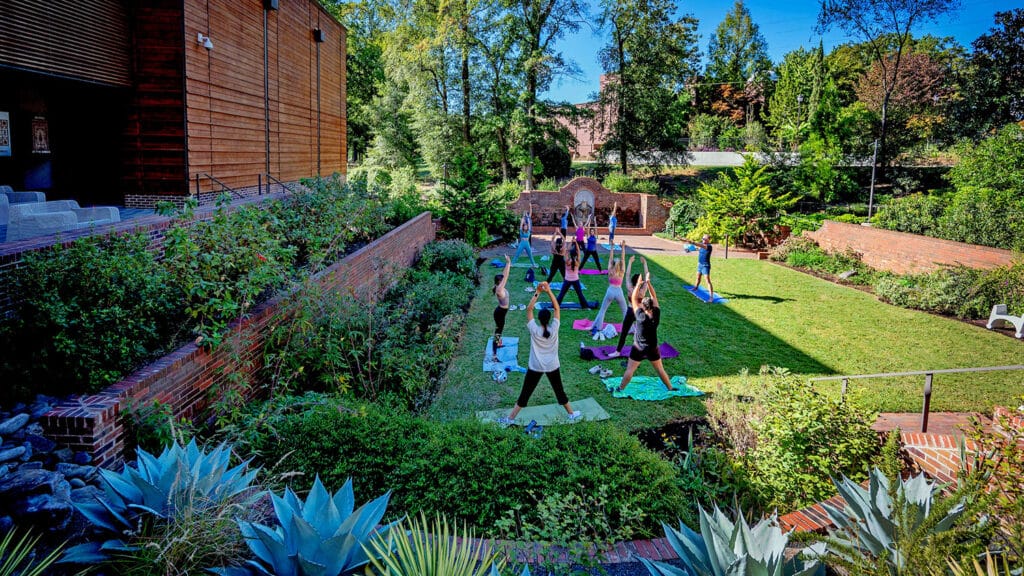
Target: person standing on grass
[(557, 256), (613, 223), (591, 248), (645, 337), (703, 265), (630, 317), (581, 234), (524, 242), (543, 357), (572, 279), (501, 310), (616, 271), (564, 222)]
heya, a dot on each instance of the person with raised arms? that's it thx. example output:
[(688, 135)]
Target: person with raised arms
[(645, 337)]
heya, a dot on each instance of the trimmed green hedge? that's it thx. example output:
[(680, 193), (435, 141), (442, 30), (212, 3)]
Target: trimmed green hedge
[(469, 470)]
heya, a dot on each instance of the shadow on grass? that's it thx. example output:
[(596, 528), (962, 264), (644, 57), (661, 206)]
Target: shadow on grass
[(719, 340)]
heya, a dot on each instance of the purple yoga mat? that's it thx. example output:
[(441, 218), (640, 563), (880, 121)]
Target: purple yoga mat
[(601, 352), (587, 324), (592, 271)]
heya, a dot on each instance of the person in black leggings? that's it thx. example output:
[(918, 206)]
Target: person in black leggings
[(557, 256), (501, 310), (590, 248), (630, 318)]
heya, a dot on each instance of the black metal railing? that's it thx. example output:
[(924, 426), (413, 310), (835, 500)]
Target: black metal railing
[(223, 187), (928, 377)]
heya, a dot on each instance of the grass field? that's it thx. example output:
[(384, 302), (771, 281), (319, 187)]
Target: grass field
[(775, 316)]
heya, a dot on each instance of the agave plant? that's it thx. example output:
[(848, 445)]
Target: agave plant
[(972, 567), (323, 536), (431, 549), (872, 526), (736, 549), (181, 477)]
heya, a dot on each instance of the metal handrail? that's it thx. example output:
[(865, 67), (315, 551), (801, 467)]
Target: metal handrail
[(270, 177), (928, 375), (222, 185)]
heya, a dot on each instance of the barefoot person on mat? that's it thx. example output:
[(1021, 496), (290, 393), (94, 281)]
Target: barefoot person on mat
[(630, 317), (572, 280), (616, 272), (703, 265), (645, 337), (501, 310), (543, 357)]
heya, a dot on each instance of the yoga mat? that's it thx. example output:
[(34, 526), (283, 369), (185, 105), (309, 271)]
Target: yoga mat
[(500, 263), (602, 353), (594, 304), (587, 324), (592, 271), (507, 355), (548, 414), (608, 247), (556, 286), (702, 293), (650, 388)]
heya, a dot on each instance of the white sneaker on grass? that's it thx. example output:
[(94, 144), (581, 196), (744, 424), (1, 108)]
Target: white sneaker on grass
[(594, 369), (576, 416), (613, 354), (505, 421)]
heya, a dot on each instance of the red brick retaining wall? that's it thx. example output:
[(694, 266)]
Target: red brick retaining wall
[(643, 213), (904, 253), (183, 378)]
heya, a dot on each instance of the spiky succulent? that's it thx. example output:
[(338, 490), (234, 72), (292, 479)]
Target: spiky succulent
[(872, 524), (181, 477), (321, 536), (431, 548), (724, 547)]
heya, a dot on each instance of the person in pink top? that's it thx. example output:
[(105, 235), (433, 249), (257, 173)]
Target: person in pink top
[(572, 279), (616, 272)]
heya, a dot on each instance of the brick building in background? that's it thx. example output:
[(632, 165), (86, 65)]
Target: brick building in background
[(591, 133), (135, 101)]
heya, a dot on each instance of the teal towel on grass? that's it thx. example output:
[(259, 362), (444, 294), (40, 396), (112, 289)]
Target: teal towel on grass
[(650, 388)]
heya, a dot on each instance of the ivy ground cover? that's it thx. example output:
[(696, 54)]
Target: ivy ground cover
[(775, 316)]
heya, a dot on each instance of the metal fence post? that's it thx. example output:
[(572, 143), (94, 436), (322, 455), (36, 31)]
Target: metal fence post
[(846, 383), (927, 402)]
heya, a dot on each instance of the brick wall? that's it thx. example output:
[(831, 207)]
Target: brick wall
[(637, 213), (904, 253), (12, 253), (183, 378)]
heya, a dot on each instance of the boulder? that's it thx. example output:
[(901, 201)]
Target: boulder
[(36, 497), (13, 424), (11, 453)]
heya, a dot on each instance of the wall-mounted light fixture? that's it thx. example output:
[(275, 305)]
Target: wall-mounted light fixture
[(319, 35), (204, 41)]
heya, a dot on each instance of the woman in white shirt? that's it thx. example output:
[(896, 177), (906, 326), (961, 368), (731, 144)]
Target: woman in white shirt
[(543, 356)]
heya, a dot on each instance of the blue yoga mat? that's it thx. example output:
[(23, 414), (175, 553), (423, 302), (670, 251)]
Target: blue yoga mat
[(508, 355), (594, 304), (702, 293), (650, 388), (556, 286)]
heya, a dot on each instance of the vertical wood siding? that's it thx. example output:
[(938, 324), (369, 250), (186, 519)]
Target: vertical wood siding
[(225, 91)]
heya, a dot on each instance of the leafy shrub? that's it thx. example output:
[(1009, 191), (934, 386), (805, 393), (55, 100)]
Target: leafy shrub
[(799, 223), (742, 205), (996, 163), (683, 216), (468, 209), (956, 291), (999, 456), (792, 244), (89, 313), (646, 187), (618, 182), (704, 131), (478, 483), (548, 184), (805, 438), (428, 297), (449, 256), (985, 216)]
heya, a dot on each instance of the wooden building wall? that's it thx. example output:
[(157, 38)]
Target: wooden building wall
[(225, 111), (81, 39), (154, 145)]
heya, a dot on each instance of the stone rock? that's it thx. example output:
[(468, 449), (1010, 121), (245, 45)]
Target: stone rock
[(31, 466), (36, 497), (38, 409), (41, 443), (12, 453), (63, 454), (848, 274), (34, 428), (13, 424), (81, 458), (27, 455), (86, 494), (3, 470), (75, 471), (77, 483)]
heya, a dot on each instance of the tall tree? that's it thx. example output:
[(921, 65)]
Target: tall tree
[(496, 44), (992, 82), (650, 55), (886, 27), (539, 24), (737, 50), (790, 106)]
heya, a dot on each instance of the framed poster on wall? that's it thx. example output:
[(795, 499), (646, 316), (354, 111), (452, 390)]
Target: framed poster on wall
[(5, 134), (40, 136)]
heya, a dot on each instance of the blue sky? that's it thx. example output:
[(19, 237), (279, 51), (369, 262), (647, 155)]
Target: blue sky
[(786, 26)]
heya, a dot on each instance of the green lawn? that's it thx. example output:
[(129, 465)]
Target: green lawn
[(775, 316)]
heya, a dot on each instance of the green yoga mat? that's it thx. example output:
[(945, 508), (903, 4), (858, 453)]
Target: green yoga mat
[(548, 414), (650, 388)]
